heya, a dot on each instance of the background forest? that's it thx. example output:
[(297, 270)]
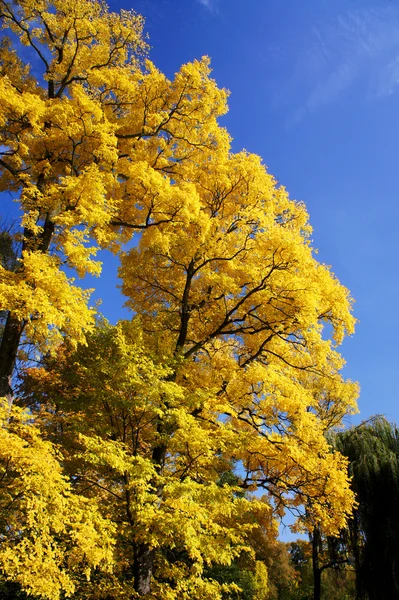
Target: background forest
[(155, 457)]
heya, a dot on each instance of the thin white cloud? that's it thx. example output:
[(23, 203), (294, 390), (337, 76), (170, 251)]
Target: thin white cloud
[(359, 46), (211, 5)]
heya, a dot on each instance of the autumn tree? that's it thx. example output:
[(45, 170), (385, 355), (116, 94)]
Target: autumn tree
[(282, 576), (102, 405), (230, 305), (229, 358), (90, 141)]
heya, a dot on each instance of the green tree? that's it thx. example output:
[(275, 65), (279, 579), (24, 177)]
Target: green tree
[(373, 451)]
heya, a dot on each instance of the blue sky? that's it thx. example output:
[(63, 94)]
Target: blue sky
[(314, 91)]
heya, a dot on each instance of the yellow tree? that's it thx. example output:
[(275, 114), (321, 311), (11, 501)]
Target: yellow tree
[(226, 363), (102, 406), (235, 295), (233, 363), (89, 142)]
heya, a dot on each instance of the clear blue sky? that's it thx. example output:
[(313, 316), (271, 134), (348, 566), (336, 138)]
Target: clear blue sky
[(314, 91)]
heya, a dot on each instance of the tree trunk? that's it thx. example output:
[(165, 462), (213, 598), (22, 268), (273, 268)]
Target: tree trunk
[(143, 553), (8, 353), (14, 327), (143, 566), (316, 541)]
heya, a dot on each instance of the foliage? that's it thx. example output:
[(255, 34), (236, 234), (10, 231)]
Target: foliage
[(102, 406), (50, 536), (89, 147), (373, 451), (282, 576), (228, 360), (251, 584), (237, 294), (133, 437)]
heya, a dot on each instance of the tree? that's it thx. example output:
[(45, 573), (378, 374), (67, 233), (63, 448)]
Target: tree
[(373, 451), (101, 405), (227, 360), (333, 574), (90, 142), (235, 293), (366, 544), (282, 577), (335, 579), (156, 429)]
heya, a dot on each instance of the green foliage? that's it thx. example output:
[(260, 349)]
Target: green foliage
[(244, 579), (373, 452)]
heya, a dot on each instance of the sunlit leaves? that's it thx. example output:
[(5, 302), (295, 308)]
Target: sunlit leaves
[(49, 535)]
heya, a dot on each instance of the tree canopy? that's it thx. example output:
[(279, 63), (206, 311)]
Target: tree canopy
[(230, 362)]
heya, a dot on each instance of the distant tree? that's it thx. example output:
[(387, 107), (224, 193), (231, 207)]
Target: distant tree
[(275, 554), (336, 580), (252, 580), (373, 451)]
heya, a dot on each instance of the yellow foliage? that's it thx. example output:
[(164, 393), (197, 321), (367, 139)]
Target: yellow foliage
[(108, 434), (226, 381), (103, 149), (39, 294), (239, 287), (261, 581), (157, 440), (49, 534)]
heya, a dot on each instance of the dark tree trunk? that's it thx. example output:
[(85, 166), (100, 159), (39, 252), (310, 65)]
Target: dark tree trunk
[(316, 543), (14, 327), (143, 566), (8, 353), (143, 553)]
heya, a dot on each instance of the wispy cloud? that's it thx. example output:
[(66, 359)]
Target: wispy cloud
[(211, 5), (355, 47)]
